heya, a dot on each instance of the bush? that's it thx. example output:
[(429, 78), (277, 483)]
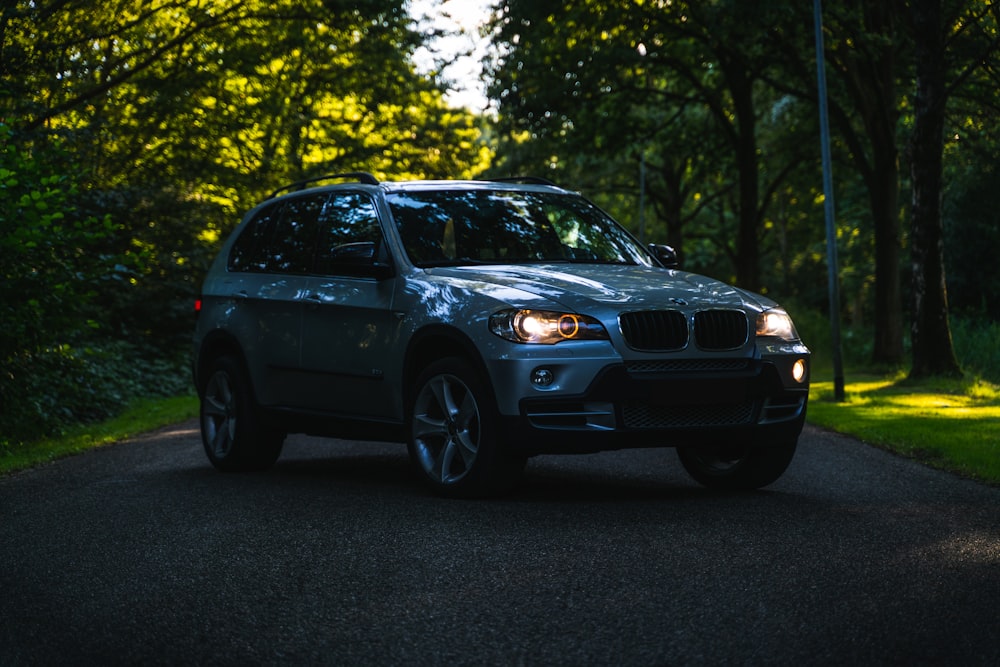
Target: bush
[(44, 392), (856, 342), (976, 346), (51, 258), (87, 323), (975, 340)]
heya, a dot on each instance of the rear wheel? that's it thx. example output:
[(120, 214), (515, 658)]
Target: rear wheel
[(736, 467), (231, 431), (454, 442)]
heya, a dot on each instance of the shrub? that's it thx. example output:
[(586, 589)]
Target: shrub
[(44, 392), (976, 346)]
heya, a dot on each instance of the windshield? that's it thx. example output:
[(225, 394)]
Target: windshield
[(456, 227)]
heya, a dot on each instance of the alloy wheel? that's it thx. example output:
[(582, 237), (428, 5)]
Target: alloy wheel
[(446, 423), (218, 414)]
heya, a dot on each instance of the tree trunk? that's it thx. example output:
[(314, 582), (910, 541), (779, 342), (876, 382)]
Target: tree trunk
[(748, 167), (883, 192), (878, 103), (933, 352), (668, 201)]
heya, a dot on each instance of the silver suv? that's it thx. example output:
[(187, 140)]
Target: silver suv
[(483, 323)]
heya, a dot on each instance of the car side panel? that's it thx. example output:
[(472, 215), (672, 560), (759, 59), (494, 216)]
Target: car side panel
[(264, 313), (349, 334)]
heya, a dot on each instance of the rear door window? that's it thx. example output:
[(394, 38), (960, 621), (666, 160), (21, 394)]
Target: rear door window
[(349, 234)]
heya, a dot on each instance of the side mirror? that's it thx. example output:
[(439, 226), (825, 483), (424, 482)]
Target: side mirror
[(355, 254), (665, 255), (357, 259)]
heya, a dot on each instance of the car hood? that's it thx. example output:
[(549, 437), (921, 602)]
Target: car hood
[(583, 287)]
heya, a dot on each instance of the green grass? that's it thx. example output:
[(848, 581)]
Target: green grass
[(949, 424), (142, 416)]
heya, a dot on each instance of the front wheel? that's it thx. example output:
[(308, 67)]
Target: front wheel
[(454, 442), (736, 467), (233, 436)]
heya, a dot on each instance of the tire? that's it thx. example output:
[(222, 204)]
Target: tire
[(454, 441), (231, 431), (737, 467)]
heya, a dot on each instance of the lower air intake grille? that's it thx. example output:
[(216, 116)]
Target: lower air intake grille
[(721, 329), (642, 415), (688, 366)]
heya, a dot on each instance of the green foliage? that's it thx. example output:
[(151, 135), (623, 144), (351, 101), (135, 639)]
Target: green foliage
[(58, 362), (972, 238), (976, 346), (590, 90), (51, 257), (227, 101), (816, 332), (46, 391), (163, 252), (975, 341)]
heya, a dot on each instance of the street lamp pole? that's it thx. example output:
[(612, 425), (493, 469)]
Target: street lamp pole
[(833, 271)]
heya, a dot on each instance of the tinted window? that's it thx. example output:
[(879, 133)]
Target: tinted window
[(280, 239), (461, 227), (349, 232), (247, 253), (291, 245)]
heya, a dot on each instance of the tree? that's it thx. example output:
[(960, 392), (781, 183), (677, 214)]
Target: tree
[(625, 79), (933, 352), (863, 54), (933, 30)]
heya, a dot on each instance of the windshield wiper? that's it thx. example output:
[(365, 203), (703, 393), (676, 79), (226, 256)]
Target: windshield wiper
[(586, 260), (462, 261), (465, 261)]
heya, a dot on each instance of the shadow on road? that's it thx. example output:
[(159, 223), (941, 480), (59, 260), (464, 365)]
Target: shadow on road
[(384, 469)]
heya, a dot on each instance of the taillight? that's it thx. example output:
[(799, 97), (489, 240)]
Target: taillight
[(197, 305)]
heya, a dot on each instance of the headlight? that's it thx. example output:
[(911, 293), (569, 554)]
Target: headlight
[(545, 327), (776, 323)]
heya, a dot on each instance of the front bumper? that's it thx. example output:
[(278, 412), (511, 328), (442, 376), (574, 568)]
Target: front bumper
[(665, 403)]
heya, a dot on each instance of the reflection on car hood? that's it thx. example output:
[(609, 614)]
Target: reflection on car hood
[(581, 287)]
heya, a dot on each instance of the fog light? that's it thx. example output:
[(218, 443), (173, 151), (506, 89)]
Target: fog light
[(542, 377), (799, 370)]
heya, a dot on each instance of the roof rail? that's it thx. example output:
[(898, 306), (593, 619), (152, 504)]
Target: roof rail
[(529, 180), (359, 176)]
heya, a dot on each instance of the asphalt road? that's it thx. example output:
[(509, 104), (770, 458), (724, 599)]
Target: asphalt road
[(140, 553)]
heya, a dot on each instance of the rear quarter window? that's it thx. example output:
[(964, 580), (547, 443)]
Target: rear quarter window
[(247, 253), (280, 238)]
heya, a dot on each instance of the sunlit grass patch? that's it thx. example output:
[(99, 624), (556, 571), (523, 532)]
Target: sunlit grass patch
[(952, 424), (144, 415)]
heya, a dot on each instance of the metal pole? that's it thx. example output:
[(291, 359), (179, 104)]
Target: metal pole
[(833, 271)]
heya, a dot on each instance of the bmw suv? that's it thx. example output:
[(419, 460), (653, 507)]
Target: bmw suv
[(482, 323)]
